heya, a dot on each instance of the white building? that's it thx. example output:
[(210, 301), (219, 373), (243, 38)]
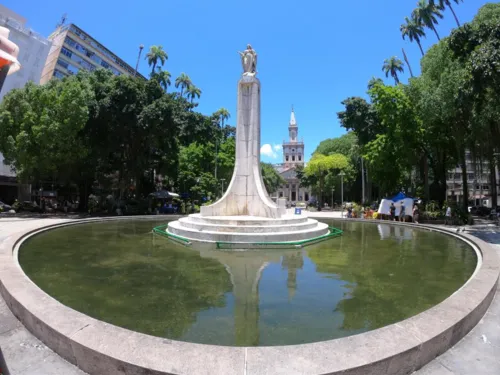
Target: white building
[(478, 181), (33, 50), (293, 157)]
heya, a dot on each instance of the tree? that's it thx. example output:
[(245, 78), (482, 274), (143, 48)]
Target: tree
[(393, 66), (39, 128), (183, 81), (272, 179), (360, 117), (442, 4), (156, 55), (427, 14), (163, 78), (320, 165), (193, 92), (414, 30), (220, 116)]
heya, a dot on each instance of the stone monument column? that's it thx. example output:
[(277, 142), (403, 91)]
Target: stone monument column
[(246, 193)]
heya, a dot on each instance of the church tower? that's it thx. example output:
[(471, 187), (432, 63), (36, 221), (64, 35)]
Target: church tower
[(293, 150)]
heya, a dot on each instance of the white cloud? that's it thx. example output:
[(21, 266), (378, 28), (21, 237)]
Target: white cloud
[(271, 151)]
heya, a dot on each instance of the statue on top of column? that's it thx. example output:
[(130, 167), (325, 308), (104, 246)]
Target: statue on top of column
[(249, 61)]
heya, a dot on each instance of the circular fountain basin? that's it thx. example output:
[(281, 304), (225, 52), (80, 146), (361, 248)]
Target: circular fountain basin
[(365, 299)]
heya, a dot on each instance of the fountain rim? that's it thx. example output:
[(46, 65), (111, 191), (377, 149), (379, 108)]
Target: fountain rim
[(98, 347)]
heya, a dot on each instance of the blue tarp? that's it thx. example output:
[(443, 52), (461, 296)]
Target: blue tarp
[(398, 197)]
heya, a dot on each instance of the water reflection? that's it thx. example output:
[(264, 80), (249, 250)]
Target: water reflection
[(372, 276)]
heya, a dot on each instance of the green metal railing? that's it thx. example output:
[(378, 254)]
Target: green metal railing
[(333, 232)]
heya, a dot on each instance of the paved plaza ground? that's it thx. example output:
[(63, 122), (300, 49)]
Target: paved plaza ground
[(477, 354)]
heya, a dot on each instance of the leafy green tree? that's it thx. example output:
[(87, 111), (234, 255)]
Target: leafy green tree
[(427, 14), (183, 81), (393, 66), (320, 165), (272, 179), (360, 117), (39, 128), (414, 30), (156, 55), (220, 116)]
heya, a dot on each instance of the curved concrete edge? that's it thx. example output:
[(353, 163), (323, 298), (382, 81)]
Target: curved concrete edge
[(100, 348)]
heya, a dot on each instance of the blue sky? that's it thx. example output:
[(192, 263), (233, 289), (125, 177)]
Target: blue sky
[(311, 54)]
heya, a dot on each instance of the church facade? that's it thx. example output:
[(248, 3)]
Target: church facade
[(293, 157)]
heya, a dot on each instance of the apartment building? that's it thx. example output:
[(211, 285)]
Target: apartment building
[(478, 182), (33, 48), (73, 49)]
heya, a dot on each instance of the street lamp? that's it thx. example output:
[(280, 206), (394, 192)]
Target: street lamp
[(141, 47), (333, 189), (222, 187), (342, 174)]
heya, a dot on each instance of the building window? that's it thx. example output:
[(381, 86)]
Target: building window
[(486, 187), (293, 186), (306, 196), (70, 42), (470, 176), (293, 150), (293, 157), (64, 64), (66, 52), (300, 157), (59, 74), (105, 64), (281, 194), (286, 157)]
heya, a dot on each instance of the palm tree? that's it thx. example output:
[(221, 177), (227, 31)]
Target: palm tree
[(413, 30), (192, 92), (222, 115), (442, 4), (156, 54), (183, 81), (393, 66), (163, 77), (427, 14)]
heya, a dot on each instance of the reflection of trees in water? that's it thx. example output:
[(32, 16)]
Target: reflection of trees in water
[(136, 282), (392, 279)]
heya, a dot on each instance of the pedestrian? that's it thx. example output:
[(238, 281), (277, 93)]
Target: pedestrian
[(448, 216), (392, 210), (415, 214), (402, 212)]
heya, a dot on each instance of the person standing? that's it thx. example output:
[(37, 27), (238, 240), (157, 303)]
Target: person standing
[(448, 216), (392, 210), (402, 212), (415, 214)]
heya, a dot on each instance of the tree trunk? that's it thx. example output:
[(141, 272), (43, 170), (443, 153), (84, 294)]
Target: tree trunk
[(420, 46), (407, 63), (465, 186), (493, 181), (454, 15), (153, 70), (426, 178), (434, 29)]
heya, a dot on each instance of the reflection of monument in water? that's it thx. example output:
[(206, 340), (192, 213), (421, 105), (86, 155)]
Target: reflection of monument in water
[(245, 269), (245, 214)]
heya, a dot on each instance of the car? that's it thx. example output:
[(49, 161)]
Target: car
[(29, 206)]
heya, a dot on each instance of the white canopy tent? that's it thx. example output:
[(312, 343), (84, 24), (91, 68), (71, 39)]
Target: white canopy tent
[(385, 206)]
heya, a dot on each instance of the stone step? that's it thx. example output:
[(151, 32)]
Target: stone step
[(177, 228), (247, 220), (187, 222)]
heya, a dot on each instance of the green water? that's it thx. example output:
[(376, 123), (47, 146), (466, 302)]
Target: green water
[(372, 276)]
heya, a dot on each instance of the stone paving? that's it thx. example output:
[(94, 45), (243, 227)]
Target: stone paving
[(476, 354)]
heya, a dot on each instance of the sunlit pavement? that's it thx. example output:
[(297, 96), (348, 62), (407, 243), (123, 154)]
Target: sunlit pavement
[(476, 354)]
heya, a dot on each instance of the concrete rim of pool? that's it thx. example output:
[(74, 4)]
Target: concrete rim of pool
[(99, 348)]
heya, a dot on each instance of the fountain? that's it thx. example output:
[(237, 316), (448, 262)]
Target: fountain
[(246, 214)]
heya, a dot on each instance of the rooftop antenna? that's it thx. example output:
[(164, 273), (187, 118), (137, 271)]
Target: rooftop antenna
[(63, 20)]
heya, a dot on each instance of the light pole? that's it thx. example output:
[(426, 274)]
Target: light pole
[(342, 174), (141, 47), (222, 188), (333, 189)]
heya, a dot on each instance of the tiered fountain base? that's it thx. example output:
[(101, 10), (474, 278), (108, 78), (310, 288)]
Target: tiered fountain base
[(248, 230)]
